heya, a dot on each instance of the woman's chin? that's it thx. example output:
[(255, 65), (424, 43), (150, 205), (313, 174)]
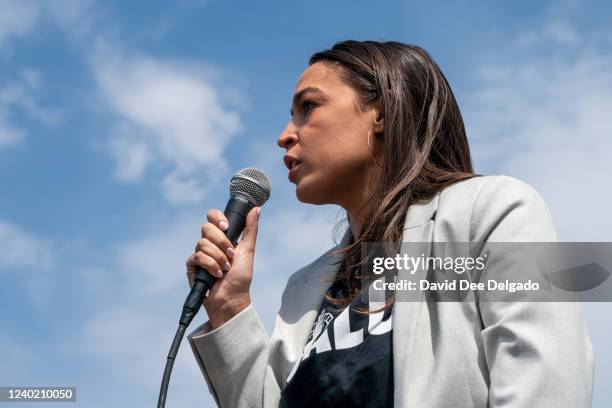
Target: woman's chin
[(302, 193), (305, 192)]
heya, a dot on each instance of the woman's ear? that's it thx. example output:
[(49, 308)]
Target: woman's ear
[(378, 125)]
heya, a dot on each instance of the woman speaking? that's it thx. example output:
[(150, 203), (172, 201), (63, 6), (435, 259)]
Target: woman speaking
[(375, 129)]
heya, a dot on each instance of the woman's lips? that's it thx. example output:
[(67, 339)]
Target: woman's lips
[(293, 171)]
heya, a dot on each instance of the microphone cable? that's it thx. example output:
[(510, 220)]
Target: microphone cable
[(201, 285)]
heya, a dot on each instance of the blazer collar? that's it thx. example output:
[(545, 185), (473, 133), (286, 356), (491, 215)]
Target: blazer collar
[(420, 213)]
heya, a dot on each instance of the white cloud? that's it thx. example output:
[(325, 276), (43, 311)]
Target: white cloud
[(78, 18), (29, 259), (20, 95), (556, 32), (9, 134), (182, 189), (154, 263), (546, 121), (22, 249), (562, 32), (131, 155), (21, 17), (17, 18), (173, 118)]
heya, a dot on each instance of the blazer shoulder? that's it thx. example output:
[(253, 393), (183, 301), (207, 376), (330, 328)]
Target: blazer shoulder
[(484, 189), (504, 203), (473, 185)]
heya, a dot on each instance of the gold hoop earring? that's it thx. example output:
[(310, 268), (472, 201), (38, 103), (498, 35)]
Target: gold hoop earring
[(372, 150)]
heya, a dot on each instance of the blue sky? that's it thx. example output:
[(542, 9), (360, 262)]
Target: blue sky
[(122, 122)]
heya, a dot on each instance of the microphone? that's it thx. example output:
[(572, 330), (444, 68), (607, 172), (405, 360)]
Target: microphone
[(249, 188)]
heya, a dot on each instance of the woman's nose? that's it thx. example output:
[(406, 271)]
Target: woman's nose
[(288, 137)]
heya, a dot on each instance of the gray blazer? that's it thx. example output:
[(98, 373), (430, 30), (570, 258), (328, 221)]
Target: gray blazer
[(445, 354)]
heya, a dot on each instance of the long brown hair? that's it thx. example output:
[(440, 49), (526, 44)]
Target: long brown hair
[(425, 144)]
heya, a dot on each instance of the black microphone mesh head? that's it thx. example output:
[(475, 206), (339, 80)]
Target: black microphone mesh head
[(252, 184)]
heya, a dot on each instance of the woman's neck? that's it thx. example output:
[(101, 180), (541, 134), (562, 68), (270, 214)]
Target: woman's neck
[(356, 223), (355, 228), (357, 206)]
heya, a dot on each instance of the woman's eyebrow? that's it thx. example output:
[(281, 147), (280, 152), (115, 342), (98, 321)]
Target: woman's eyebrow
[(301, 93)]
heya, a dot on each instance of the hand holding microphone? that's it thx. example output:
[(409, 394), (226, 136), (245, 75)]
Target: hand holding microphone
[(232, 266), (249, 188)]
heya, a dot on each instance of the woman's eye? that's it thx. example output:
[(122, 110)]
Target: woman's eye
[(307, 106)]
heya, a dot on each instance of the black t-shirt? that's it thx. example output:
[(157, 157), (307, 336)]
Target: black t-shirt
[(347, 360)]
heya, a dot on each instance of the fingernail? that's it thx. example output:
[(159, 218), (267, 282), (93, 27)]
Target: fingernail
[(227, 266), (223, 225), (219, 273), (258, 210), (230, 252)]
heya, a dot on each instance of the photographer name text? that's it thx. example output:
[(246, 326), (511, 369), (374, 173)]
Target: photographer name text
[(461, 284)]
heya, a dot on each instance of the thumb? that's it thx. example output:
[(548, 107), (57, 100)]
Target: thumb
[(249, 236)]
